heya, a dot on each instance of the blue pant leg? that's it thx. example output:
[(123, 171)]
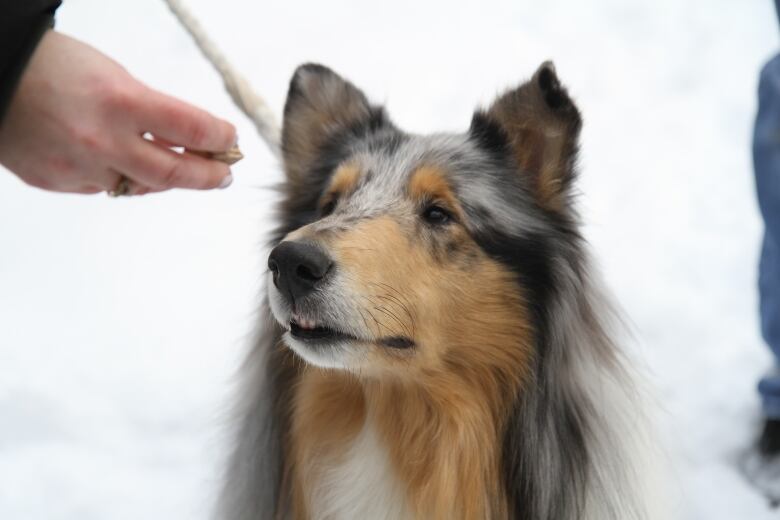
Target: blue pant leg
[(769, 290), (766, 162)]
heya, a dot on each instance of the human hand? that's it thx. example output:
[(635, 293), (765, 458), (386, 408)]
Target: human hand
[(77, 124)]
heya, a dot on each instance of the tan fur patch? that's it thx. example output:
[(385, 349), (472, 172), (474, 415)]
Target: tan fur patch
[(428, 183), (439, 407), (344, 180), (342, 184)]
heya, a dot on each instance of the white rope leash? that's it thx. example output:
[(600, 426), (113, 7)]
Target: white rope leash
[(237, 86)]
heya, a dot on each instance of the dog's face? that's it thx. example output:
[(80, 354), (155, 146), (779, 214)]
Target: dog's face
[(390, 275), (411, 253)]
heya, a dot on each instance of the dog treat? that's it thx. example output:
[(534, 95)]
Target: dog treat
[(229, 157)]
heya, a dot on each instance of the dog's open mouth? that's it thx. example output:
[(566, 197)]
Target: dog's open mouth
[(308, 331)]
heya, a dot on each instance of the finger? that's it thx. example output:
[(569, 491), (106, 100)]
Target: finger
[(182, 124), (139, 189), (159, 168)]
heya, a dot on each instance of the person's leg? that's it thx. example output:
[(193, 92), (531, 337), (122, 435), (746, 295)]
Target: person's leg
[(766, 162), (761, 464), (769, 290)]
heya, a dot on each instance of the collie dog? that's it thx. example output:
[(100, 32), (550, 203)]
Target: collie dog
[(433, 345)]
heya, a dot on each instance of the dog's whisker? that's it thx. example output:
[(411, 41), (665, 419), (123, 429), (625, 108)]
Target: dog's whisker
[(398, 303), (393, 316)]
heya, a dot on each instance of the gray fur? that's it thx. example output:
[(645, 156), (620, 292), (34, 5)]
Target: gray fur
[(252, 481)]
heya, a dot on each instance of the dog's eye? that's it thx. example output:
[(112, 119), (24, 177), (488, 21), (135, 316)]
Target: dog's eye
[(436, 215), (328, 208)]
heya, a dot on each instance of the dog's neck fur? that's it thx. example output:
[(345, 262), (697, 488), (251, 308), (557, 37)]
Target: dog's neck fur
[(439, 458)]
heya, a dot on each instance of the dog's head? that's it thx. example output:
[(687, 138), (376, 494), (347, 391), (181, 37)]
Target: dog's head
[(404, 253)]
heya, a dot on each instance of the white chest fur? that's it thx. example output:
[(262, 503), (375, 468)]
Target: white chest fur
[(362, 485)]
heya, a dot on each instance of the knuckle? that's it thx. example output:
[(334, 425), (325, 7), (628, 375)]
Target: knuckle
[(116, 95)]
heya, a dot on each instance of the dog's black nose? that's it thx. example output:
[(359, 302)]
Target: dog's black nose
[(298, 267)]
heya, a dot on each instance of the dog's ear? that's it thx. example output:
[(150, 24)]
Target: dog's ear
[(540, 125), (321, 106)]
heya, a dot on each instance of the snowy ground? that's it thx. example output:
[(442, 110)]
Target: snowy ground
[(122, 321)]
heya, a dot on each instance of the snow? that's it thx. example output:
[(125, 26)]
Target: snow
[(122, 322)]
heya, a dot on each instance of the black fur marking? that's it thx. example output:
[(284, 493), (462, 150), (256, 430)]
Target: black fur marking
[(488, 134), (529, 258), (554, 95)]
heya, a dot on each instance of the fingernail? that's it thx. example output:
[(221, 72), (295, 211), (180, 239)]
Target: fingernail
[(226, 181), (235, 143)]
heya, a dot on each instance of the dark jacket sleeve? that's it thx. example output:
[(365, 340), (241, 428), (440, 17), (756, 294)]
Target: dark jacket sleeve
[(22, 23)]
